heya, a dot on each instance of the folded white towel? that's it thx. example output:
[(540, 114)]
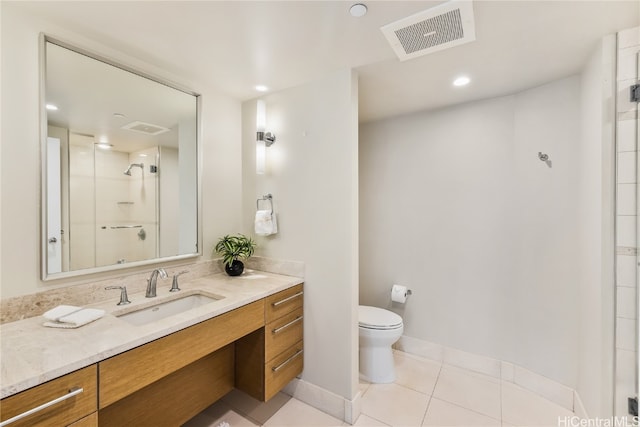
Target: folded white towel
[(69, 316), (265, 223)]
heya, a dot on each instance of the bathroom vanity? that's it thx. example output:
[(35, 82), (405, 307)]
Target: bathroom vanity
[(162, 373)]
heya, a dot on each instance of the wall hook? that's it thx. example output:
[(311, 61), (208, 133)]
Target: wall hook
[(543, 157)]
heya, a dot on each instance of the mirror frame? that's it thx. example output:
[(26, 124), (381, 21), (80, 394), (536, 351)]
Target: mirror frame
[(44, 39)]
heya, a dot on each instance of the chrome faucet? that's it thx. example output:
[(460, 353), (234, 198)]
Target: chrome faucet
[(152, 281)]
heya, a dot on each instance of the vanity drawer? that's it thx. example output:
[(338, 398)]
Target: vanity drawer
[(283, 333), (62, 413), (277, 305), (282, 369)]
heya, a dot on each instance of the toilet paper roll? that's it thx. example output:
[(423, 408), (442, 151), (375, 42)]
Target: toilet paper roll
[(399, 293)]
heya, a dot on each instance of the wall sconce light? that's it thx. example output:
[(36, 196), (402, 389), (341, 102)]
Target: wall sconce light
[(263, 140)]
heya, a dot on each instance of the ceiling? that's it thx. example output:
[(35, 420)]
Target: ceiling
[(232, 46), (95, 98)]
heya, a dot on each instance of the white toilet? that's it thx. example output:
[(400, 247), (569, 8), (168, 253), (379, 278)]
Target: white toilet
[(378, 330)]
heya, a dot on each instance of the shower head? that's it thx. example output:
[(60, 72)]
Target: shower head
[(139, 165)]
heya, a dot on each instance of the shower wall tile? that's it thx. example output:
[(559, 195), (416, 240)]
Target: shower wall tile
[(625, 334), (626, 199), (626, 137), (627, 115), (627, 167), (624, 103), (626, 251), (628, 63), (625, 379), (626, 302), (626, 231), (629, 37), (626, 271)]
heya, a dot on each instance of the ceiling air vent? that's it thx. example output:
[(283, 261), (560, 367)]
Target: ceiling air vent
[(146, 128), (441, 27)]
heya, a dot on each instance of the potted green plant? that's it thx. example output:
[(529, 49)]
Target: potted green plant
[(232, 248)]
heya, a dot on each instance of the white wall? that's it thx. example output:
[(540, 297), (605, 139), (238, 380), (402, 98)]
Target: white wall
[(312, 174), (20, 172), (596, 250), (456, 205)]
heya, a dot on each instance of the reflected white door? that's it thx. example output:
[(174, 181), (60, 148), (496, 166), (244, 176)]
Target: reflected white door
[(54, 231)]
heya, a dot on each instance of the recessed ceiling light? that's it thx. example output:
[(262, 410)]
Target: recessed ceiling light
[(104, 145), (461, 81), (51, 107), (262, 88), (358, 10)]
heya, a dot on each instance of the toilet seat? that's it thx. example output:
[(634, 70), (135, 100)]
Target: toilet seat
[(378, 318)]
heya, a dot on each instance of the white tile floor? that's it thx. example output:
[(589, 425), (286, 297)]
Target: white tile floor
[(426, 393)]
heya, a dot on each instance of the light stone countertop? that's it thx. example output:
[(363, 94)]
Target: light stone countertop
[(31, 354)]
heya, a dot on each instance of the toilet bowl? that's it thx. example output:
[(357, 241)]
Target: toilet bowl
[(378, 330)]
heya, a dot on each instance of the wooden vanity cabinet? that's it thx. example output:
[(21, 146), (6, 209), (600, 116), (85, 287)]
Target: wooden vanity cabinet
[(176, 398), (267, 359), (257, 348), (88, 421), (65, 412), (168, 381)]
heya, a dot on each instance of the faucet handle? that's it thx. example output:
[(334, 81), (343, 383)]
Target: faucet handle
[(174, 285), (124, 299)]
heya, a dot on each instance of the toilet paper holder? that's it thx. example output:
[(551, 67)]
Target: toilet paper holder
[(400, 293), (408, 290)]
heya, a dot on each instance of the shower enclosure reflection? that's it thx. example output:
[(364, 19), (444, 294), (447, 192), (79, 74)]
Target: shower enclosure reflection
[(121, 161), (113, 216)]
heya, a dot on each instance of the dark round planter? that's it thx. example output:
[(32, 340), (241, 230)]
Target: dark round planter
[(236, 268)]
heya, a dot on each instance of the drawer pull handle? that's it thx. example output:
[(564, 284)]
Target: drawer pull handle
[(286, 362), (275, 304), (293, 322), (73, 392)]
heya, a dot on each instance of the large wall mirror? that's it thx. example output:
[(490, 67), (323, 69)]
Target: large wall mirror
[(120, 166)]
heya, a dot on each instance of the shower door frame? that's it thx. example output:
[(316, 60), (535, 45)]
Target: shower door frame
[(637, 246)]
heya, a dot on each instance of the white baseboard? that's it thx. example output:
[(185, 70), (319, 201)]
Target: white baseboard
[(536, 383), (349, 410), (578, 407), (324, 400)]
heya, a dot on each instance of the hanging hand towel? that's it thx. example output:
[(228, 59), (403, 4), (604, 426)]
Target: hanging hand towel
[(69, 316), (265, 223)]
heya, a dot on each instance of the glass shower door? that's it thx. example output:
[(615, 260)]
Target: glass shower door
[(627, 236)]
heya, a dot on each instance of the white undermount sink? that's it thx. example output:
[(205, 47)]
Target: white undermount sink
[(167, 308)]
